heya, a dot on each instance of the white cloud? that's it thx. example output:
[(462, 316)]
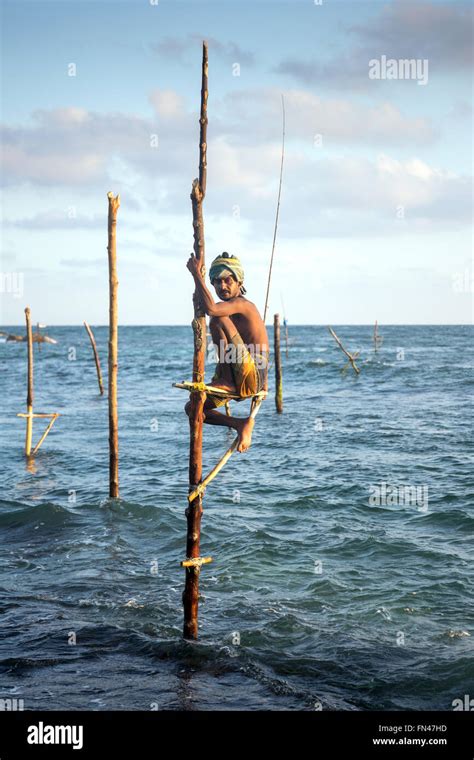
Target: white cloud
[(439, 32), (338, 120), (56, 219), (72, 146), (168, 104), (183, 48), (86, 151)]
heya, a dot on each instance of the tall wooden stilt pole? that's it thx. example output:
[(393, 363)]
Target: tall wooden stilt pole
[(96, 357), (114, 204), (195, 509), (29, 397), (278, 373)]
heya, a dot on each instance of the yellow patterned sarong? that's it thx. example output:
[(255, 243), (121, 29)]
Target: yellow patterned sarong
[(250, 376)]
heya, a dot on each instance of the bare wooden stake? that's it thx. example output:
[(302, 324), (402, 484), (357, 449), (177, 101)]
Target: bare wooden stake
[(196, 416), (278, 372), (114, 204), (351, 357), (96, 357), (54, 417), (378, 340)]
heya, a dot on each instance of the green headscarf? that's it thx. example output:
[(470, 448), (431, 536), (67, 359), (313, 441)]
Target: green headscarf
[(232, 264)]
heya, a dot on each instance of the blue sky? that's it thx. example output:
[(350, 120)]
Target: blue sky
[(376, 210)]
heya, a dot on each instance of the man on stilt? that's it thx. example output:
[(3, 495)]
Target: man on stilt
[(240, 340)]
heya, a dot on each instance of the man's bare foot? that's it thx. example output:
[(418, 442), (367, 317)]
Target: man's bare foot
[(244, 430)]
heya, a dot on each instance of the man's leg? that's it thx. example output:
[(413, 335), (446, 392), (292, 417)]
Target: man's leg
[(242, 425), (222, 331)]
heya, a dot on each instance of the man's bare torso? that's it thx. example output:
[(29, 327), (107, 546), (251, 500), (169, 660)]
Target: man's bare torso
[(250, 326)]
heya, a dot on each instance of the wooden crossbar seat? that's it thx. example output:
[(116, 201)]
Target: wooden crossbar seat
[(216, 391)]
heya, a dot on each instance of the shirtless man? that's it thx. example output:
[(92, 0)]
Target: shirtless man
[(240, 338)]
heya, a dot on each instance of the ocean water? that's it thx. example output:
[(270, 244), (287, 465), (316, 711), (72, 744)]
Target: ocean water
[(320, 595)]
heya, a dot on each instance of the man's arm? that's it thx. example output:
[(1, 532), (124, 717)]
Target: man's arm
[(220, 309)]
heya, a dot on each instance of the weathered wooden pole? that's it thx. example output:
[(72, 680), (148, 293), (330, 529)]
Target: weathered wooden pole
[(378, 340), (278, 373), (114, 204), (96, 357), (195, 509), (29, 396), (351, 357)]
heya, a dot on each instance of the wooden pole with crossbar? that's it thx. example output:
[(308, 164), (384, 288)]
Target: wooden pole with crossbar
[(29, 396), (29, 415)]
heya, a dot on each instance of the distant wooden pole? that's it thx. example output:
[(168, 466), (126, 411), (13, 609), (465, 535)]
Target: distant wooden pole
[(114, 204), (351, 357), (196, 416), (377, 338), (278, 372), (29, 397), (96, 357), (285, 325)]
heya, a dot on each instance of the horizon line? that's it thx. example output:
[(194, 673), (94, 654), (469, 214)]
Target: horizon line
[(269, 324)]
